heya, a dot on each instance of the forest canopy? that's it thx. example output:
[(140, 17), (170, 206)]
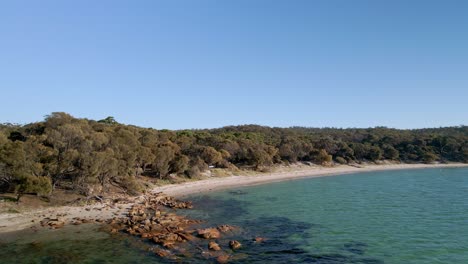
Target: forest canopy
[(84, 154)]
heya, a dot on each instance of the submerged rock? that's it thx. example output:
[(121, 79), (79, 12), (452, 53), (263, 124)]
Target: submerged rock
[(234, 244), (150, 222), (225, 228), (77, 222), (223, 259), (186, 236), (164, 253), (214, 246), (209, 233), (53, 222), (259, 239)]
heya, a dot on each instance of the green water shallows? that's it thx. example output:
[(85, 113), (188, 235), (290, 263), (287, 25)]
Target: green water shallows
[(404, 216)]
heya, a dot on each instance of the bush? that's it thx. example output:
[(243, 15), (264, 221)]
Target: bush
[(323, 157), (193, 172), (131, 185), (33, 185), (341, 160), (429, 157)]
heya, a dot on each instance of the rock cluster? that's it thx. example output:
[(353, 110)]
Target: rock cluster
[(148, 221), (53, 223), (172, 233), (152, 218), (168, 201), (209, 233)]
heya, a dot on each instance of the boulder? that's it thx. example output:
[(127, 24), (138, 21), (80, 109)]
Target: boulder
[(259, 239), (186, 236), (225, 228), (162, 252), (53, 223), (168, 244), (214, 246), (234, 244), (223, 259), (171, 237), (209, 233), (146, 235)]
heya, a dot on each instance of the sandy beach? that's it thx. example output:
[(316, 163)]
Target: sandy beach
[(16, 221), (295, 172)]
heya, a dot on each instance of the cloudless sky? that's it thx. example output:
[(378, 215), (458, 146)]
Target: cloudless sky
[(203, 64)]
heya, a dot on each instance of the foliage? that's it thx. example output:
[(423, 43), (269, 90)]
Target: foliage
[(40, 185), (341, 160), (89, 156)]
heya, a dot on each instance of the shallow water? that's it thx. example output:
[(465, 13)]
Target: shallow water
[(71, 244), (405, 216), (410, 216)]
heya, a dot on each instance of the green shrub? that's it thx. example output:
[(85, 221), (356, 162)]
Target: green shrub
[(131, 185), (341, 160), (39, 185)]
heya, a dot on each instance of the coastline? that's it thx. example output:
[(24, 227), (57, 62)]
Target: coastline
[(101, 212), (221, 183)]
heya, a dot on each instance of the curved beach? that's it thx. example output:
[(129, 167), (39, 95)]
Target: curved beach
[(17, 221), (219, 183)]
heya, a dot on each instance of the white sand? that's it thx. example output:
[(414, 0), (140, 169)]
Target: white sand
[(18, 221), (219, 183)]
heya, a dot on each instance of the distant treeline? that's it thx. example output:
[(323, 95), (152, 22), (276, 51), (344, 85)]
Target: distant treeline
[(82, 154)]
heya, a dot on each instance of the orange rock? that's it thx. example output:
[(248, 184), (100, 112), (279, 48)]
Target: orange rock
[(223, 259), (225, 228), (259, 239), (186, 236), (214, 246), (162, 252), (234, 244), (146, 235), (209, 233)]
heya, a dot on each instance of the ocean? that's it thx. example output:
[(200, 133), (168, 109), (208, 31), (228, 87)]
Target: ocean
[(399, 216)]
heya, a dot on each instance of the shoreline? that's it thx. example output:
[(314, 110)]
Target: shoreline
[(104, 211), (228, 182)]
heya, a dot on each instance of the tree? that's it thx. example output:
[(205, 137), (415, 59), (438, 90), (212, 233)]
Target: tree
[(389, 152), (375, 153), (15, 176), (210, 155), (110, 120), (28, 184), (323, 157), (66, 140), (344, 151), (100, 167), (179, 164), (85, 154), (429, 157), (163, 156), (12, 161)]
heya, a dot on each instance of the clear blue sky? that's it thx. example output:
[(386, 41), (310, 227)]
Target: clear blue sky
[(196, 64)]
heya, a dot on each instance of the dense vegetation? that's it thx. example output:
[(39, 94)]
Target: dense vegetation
[(89, 156)]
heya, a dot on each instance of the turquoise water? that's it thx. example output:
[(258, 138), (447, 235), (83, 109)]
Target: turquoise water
[(410, 216), (405, 216)]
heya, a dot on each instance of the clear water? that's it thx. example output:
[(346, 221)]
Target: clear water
[(72, 244), (405, 216)]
